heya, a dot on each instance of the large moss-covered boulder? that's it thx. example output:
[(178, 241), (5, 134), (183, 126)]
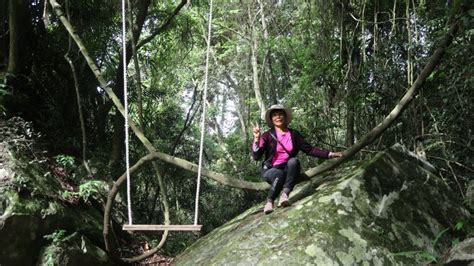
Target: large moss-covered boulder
[(33, 207), (27, 222), (389, 210)]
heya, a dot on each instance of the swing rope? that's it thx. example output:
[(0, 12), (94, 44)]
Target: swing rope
[(203, 119), (201, 146), (125, 96)]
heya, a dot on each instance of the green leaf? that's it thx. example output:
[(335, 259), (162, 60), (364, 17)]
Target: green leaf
[(459, 225), (455, 242), (439, 236), (428, 255), (420, 254), (431, 76)]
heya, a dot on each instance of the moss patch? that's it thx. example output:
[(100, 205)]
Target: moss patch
[(362, 214)]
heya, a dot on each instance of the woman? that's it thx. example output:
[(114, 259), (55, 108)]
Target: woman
[(280, 145)]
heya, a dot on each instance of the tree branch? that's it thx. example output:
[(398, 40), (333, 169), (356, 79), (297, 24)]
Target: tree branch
[(78, 96), (165, 25), (397, 110)]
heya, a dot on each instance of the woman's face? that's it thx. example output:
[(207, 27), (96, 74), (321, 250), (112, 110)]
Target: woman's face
[(278, 118)]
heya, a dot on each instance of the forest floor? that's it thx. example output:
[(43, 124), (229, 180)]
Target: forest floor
[(157, 260)]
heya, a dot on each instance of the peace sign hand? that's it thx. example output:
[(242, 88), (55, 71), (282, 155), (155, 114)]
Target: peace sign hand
[(256, 131)]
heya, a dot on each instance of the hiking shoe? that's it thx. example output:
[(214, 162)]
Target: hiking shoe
[(283, 202), (268, 207)]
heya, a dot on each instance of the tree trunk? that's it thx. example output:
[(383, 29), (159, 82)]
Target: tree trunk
[(19, 29), (240, 101), (346, 60), (78, 94), (119, 121), (350, 120), (272, 90), (240, 115), (254, 63), (220, 139), (376, 26), (363, 34), (409, 49), (394, 21), (138, 80), (4, 35)]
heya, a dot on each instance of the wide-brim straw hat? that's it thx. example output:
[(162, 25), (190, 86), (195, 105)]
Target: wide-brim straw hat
[(288, 113)]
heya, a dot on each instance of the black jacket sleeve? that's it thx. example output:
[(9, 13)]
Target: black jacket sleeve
[(308, 148), (257, 154)]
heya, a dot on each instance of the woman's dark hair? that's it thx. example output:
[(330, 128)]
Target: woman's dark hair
[(277, 110)]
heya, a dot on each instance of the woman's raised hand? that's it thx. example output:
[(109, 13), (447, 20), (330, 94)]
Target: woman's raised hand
[(256, 132)]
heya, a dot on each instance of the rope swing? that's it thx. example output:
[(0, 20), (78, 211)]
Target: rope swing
[(125, 96), (149, 227), (204, 109)]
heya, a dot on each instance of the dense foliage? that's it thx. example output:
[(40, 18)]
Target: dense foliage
[(341, 65)]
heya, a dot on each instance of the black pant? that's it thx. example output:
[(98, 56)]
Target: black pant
[(282, 176)]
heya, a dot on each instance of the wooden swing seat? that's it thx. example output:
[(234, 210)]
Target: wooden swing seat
[(161, 227)]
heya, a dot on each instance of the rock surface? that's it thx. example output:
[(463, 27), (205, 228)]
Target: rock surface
[(461, 254), (385, 211)]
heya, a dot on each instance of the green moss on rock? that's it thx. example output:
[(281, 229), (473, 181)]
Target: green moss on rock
[(31, 208), (362, 214)]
